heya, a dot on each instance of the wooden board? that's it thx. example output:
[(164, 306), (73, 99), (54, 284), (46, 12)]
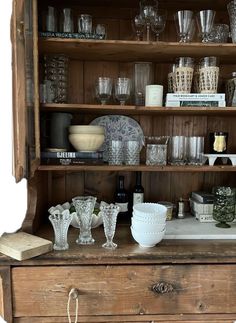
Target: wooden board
[(23, 246)]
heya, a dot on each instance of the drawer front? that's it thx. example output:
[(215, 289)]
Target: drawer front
[(126, 290)]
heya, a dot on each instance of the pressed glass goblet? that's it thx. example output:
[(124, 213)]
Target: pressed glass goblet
[(138, 26), (205, 21), (122, 89), (183, 20), (109, 214), (84, 206), (148, 13), (103, 89), (60, 223), (158, 23)]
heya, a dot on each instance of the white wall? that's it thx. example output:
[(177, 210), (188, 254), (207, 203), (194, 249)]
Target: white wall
[(12, 195)]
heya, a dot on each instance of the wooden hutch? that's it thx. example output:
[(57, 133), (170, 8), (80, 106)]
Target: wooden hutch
[(176, 281)]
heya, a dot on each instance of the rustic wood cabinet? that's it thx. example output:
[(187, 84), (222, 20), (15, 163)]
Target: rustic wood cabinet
[(177, 281)]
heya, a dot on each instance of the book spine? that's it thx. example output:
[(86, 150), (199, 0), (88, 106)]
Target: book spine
[(196, 96), (72, 155), (71, 161), (195, 103), (202, 208)]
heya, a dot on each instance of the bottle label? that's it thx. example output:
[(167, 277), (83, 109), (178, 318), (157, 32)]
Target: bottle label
[(123, 206), (138, 198)]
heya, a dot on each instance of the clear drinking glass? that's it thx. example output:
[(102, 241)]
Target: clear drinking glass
[(122, 89), (67, 21), (158, 22), (104, 89), (143, 75), (85, 24), (205, 21), (232, 18), (100, 30), (60, 222), (115, 152), (208, 75), (109, 215), (183, 21), (219, 33), (191, 31), (138, 26), (195, 150), (84, 206), (51, 20), (132, 152), (178, 148), (156, 154), (183, 75)]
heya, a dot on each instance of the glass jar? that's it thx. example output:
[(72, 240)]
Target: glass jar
[(224, 206)]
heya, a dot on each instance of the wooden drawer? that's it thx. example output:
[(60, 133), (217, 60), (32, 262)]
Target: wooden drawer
[(126, 290)]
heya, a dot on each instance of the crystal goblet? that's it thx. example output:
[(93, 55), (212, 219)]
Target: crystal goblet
[(109, 214), (84, 206), (148, 13), (205, 21), (122, 89), (60, 222), (183, 20), (138, 26), (104, 89), (158, 23)]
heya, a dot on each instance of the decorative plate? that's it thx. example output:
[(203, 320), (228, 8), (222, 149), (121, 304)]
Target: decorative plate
[(118, 127)]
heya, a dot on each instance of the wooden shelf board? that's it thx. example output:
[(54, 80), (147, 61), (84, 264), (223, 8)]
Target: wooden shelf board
[(123, 50), (141, 168), (139, 110)]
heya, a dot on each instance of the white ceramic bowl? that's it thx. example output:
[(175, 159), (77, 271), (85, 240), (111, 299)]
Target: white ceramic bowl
[(150, 210), (86, 142), (147, 227), (152, 219), (147, 240), (87, 129)]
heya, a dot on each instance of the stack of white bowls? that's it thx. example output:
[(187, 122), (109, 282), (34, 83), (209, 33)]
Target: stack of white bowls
[(148, 223)]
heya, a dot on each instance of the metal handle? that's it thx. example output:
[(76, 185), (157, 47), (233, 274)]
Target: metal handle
[(162, 288)]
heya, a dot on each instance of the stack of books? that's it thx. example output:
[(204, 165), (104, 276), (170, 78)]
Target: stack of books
[(201, 204), (71, 158), (195, 100)]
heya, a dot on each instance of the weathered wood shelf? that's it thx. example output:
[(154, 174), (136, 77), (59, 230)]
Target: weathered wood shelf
[(141, 168), (125, 51), (139, 110)]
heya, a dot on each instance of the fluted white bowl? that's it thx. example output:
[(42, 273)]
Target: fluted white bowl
[(150, 210), (147, 226), (147, 239), (154, 219)]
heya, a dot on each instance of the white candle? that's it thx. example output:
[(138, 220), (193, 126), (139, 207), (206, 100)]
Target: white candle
[(154, 95)]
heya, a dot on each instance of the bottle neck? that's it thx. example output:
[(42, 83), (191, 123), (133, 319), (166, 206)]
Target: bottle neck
[(139, 178), (121, 183)]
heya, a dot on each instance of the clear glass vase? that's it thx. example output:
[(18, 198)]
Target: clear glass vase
[(60, 223), (109, 214), (84, 206)]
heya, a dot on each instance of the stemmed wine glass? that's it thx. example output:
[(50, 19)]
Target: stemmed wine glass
[(139, 25), (183, 20), (158, 22), (205, 21), (122, 89), (103, 89), (148, 13)]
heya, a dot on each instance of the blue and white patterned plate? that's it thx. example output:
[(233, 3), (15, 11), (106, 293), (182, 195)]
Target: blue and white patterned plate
[(118, 127)]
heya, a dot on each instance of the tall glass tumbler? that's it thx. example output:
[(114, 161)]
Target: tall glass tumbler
[(143, 75), (195, 150), (85, 24), (132, 152), (51, 20), (208, 75), (232, 18), (67, 23), (183, 75), (115, 152), (177, 150), (122, 89), (84, 206)]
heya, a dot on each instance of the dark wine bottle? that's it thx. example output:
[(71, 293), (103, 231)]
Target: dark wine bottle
[(121, 197), (138, 191)]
